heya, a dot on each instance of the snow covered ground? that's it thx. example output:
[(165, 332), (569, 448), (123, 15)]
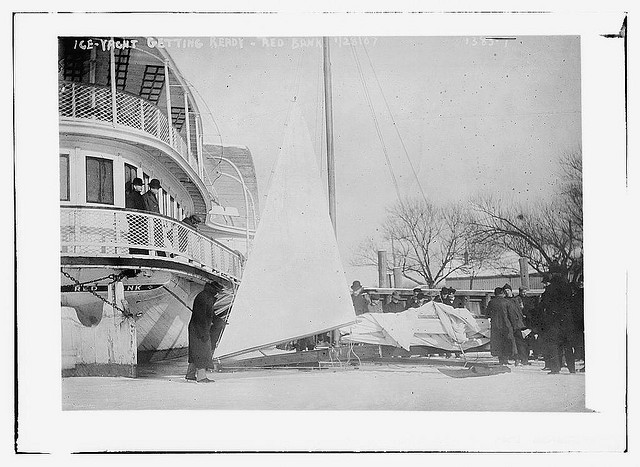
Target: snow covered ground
[(388, 386)]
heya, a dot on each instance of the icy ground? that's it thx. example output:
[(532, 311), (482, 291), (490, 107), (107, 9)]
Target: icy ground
[(387, 386)]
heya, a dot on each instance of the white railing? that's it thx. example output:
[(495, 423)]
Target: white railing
[(90, 102), (94, 231)]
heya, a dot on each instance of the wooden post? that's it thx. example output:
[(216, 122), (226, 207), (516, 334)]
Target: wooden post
[(188, 129), (382, 269), (199, 156), (142, 115), (168, 99), (524, 273), (114, 106), (397, 277)]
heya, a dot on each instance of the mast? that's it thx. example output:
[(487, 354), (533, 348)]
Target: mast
[(331, 172), (328, 111)]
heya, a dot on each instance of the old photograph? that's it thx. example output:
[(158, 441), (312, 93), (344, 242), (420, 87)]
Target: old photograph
[(298, 223)]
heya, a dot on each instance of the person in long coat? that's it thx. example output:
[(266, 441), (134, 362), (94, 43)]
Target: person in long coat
[(503, 344), (517, 318), (200, 347), (359, 298), (556, 305)]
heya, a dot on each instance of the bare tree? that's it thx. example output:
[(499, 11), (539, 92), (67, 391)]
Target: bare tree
[(428, 242), (545, 232)]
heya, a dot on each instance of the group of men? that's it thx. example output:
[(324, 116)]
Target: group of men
[(521, 326), (552, 327), (364, 302), (508, 329), (149, 202)]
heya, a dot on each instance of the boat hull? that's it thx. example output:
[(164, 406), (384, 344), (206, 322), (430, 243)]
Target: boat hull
[(159, 301)]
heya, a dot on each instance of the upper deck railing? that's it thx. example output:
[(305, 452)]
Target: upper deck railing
[(108, 232), (94, 103)]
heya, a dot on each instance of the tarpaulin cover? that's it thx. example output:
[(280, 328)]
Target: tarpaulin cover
[(433, 324)]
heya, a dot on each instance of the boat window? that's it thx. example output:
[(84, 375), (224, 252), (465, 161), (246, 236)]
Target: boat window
[(145, 180), (164, 203), (64, 177), (172, 207), (99, 180), (130, 172)]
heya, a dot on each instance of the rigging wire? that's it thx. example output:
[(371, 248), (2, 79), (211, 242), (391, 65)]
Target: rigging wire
[(376, 123), (395, 126)]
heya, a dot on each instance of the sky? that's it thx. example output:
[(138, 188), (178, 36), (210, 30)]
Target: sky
[(474, 116)]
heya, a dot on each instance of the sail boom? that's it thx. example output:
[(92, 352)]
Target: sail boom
[(272, 344)]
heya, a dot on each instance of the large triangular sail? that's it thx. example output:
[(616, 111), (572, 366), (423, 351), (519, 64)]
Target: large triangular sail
[(294, 283)]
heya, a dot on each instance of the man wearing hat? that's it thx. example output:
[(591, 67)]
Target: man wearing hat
[(150, 198), (359, 298), (200, 331), (395, 305), (137, 224), (134, 199), (522, 354), (555, 304), (447, 296), (416, 300), (152, 204), (503, 344)]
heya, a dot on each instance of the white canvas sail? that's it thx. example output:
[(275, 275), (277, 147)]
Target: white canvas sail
[(293, 284)]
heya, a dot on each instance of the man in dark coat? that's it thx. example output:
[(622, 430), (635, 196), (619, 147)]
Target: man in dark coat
[(558, 322), (447, 296), (395, 305), (359, 298), (152, 204), (522, 354), (200, 347), (134, 199), (578, 320), (416, 300), (503, 344), (137, 224)]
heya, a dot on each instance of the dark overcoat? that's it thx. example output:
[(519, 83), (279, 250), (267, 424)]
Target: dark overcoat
[(134, 200), (502, 339), (200, 327), (360, 302), (557, 307), (151, 202)]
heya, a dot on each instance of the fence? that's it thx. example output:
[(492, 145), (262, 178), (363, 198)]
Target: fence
[(90, 102), (93, 231)]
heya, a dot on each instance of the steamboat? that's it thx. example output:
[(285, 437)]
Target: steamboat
[(129, 277)]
